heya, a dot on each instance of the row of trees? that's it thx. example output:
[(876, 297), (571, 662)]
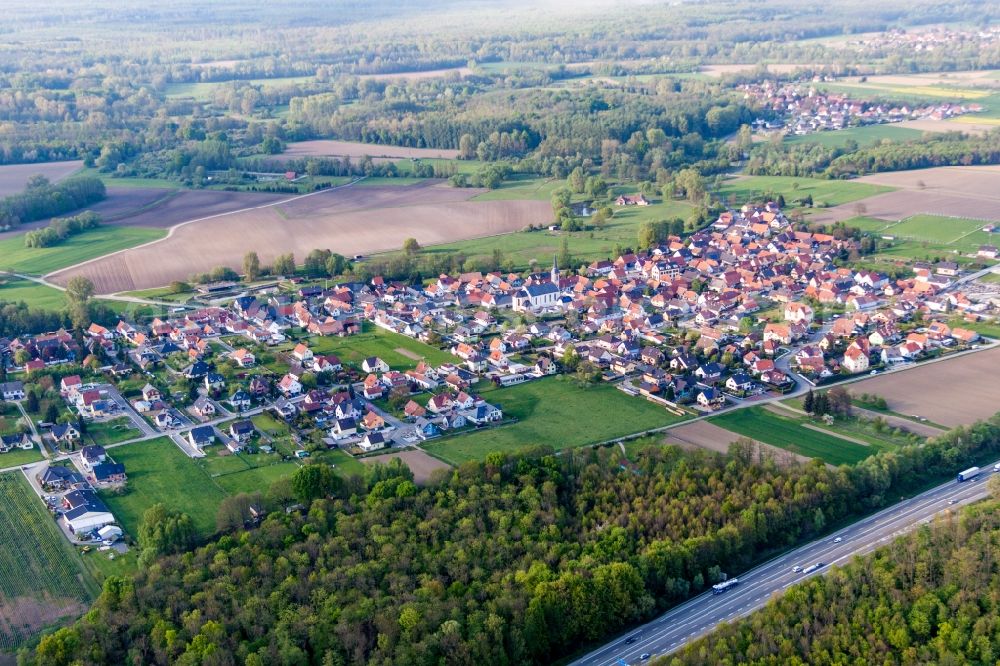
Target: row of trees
[(519, 559), (59, 229)]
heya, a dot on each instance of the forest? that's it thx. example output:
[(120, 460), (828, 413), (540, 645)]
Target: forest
[(927, 598), (522, 559)]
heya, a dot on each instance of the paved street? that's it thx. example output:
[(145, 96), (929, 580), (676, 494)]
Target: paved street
[(702, 614)]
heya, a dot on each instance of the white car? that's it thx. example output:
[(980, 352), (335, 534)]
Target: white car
[(838, 539), (796, 569)]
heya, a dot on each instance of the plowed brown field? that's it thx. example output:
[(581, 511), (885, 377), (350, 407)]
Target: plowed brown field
[(347, 220), (972, 192), (955, 392)]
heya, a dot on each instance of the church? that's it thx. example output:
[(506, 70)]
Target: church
[(539, 295)]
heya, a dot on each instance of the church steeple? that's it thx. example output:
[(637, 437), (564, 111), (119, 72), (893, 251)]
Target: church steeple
[(555, 271)]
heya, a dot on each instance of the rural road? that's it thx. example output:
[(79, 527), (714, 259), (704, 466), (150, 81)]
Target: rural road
[(699, 616)]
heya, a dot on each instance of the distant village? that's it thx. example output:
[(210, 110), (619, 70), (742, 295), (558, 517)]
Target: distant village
[(802, 110), (747, 307)]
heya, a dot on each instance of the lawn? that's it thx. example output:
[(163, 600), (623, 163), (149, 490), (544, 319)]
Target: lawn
[(788, 433), (554, 411), (74, 250), (829, 192), (111, 432), (20, 457), (41, 575), (158, 471), (9, 417), (863, 136), (990, 329), (375, 341)]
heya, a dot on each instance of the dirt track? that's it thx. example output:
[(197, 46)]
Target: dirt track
[(959, 391), (352, 220), (972, 192), (420, 463)]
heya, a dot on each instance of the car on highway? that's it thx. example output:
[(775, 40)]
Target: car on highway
[(838, 539), (631, 639), (796, 569), (952, 501), (644, 656)]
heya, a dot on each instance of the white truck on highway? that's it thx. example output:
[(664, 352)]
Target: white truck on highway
[(719, 588), (967, 474)]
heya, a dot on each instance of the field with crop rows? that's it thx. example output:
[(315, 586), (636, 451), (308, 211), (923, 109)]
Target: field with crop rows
[(42, 580)]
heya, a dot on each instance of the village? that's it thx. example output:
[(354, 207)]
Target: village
[(744, 310), (801, 109)]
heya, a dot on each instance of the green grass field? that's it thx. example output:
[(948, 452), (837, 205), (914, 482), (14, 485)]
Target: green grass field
[(944, 233), (158, 471), (375, 341), (523, 187), (111, 432), (15, 289), (830, 192), (863, 136), (75, 249), (41, 574), (788, 433), (111, 180), (556, 412), (20, 457)]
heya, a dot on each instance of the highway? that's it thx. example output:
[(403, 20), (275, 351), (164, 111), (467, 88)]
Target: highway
[(699, 616)]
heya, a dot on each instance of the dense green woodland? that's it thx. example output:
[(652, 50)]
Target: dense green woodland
[(521, 559), (97, 84), (928, 598)]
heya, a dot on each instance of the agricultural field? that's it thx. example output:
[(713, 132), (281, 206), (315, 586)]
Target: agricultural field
[(421, 464), (348, 220), (863, 136), (205, 91), (523, 187), (789, 433), (584, 246), (74, 250), (158, 471), (557, 412), (42, 580), (13, 177), (963, 192), (705, 435), (829, 192), (952, 392), (354, 150), (417, 76), (15, 289)]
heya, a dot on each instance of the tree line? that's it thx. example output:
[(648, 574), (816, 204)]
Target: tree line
[(59, 229), (41, 199)]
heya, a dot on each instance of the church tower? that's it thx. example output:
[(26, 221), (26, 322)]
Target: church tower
[(554, 276)]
